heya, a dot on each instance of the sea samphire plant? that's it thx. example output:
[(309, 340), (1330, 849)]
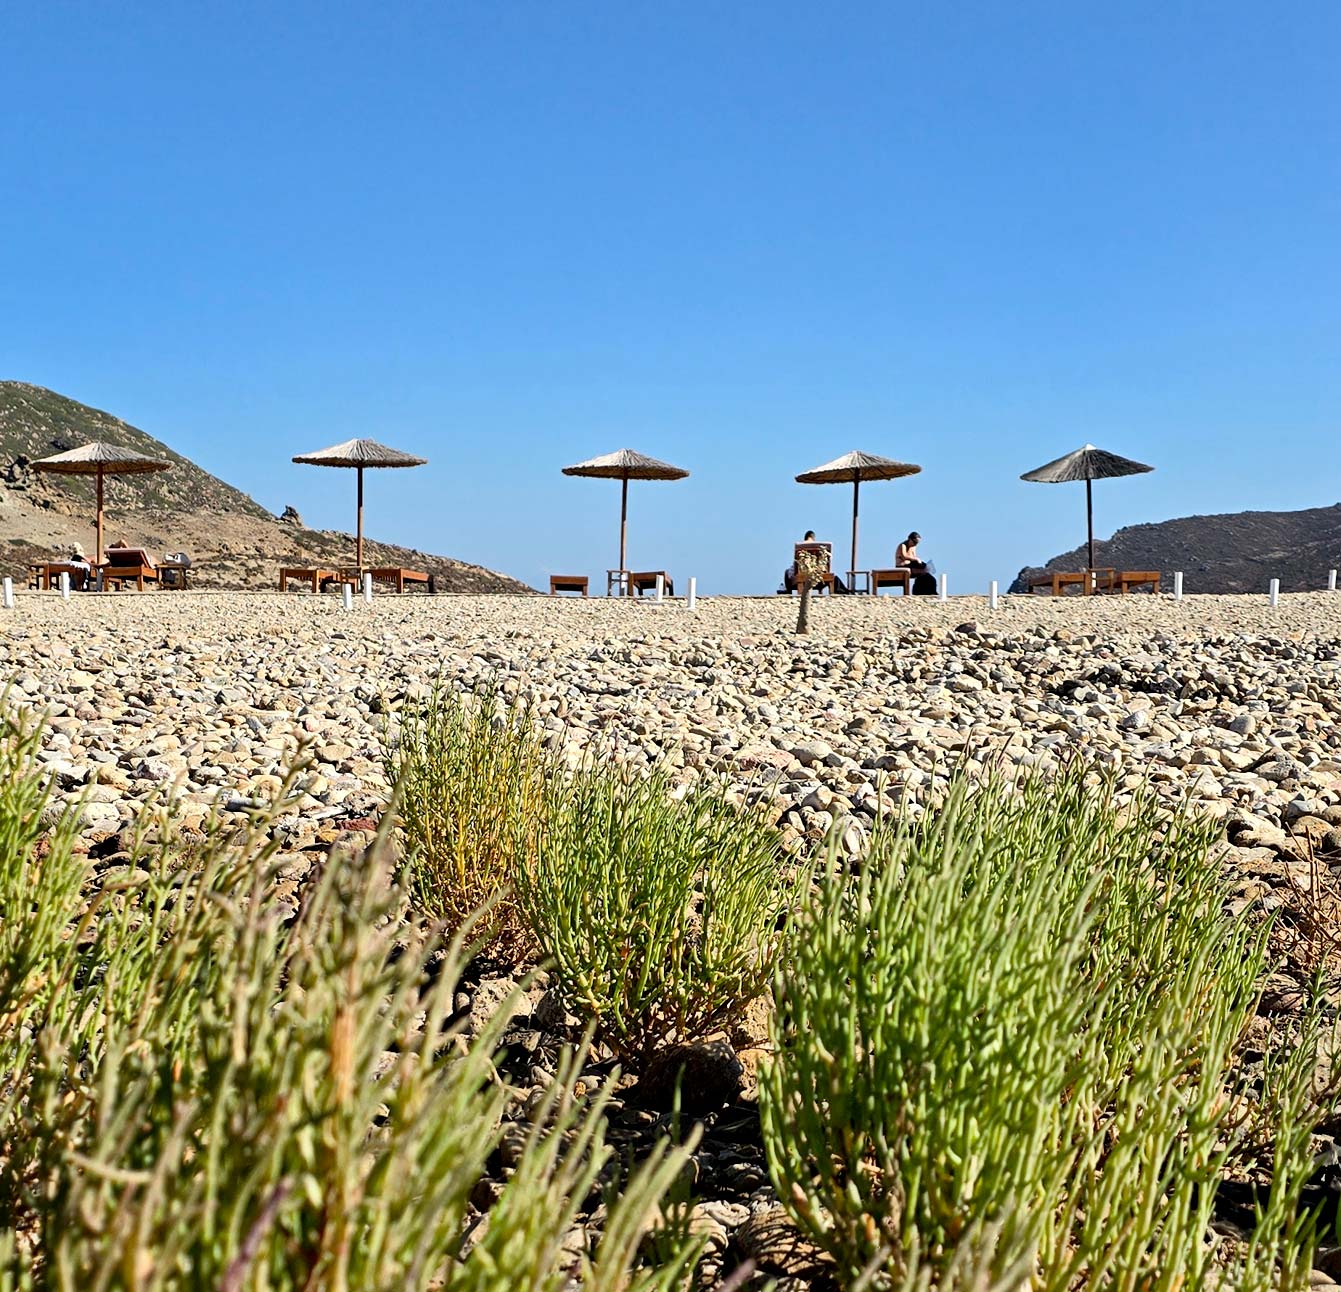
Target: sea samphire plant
[(471, 774), (1005, 1054), (206, 1089), (659, 914)]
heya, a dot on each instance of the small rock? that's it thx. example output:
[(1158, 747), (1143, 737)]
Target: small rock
[(777, 1247), (708, 1073)]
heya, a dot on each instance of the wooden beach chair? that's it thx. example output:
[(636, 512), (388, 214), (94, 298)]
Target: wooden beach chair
[(568, 583), (124, 564)]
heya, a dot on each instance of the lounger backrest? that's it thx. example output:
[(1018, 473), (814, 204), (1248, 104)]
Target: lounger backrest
[(135, 556), (824, 549)]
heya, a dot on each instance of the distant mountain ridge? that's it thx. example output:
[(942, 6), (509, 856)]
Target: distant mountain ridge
[(1234, 552), (234, 542)]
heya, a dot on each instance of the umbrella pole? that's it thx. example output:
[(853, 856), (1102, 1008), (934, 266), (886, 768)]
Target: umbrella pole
[(359, 547), (99, 529), (623, 523), (856, 489), (1089, 517)]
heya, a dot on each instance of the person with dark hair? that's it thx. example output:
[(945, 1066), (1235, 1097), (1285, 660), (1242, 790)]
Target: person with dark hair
[(922, 581)]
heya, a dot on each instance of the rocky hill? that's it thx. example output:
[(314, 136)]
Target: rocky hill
[(1237, 552), (233, 541)]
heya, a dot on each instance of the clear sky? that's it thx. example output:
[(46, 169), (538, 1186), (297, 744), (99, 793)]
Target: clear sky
[(742, 237)]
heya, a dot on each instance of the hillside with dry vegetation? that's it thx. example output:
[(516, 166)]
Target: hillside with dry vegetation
[(233, 541)]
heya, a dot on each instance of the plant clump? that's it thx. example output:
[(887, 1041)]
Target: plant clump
[(1005, 1055), (472, 777), (205, 1089), (660, 914)]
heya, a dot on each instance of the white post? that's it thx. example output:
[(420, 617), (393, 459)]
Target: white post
[(944, 592), (991, 594), (347, 596), (367, 588), (1275, 591), (691, 597), (1331, 580), (65, 585), (9, 594), (1178, 585), (661, 589)]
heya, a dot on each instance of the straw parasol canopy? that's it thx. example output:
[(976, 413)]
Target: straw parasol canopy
[(360, 454), (852, 468), (101, 459), (1088, 464), (625, 465)]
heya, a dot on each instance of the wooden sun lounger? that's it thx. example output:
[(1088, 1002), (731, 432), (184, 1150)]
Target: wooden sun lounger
[(122, 564), (899, 577), (47, 574), (316, 579), (568, 583), (1055, 581), (396, 577), (1129, 579), (118, 576)]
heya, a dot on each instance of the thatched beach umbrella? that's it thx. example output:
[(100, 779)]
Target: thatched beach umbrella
[(1088, 464), (625, 465), (852, 468), (360, 454), (100, 459)]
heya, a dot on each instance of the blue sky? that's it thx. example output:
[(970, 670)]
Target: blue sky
[(745, 238)]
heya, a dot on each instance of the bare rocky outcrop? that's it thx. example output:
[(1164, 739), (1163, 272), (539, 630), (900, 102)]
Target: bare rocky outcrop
[(1235, 552)]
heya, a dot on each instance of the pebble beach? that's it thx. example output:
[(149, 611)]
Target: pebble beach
[(1218, 700)]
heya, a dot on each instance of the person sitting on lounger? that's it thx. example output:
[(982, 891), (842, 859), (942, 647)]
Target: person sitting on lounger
[(789, 575), (128, 555), (905, 556), (83, 571), (923, 580)]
